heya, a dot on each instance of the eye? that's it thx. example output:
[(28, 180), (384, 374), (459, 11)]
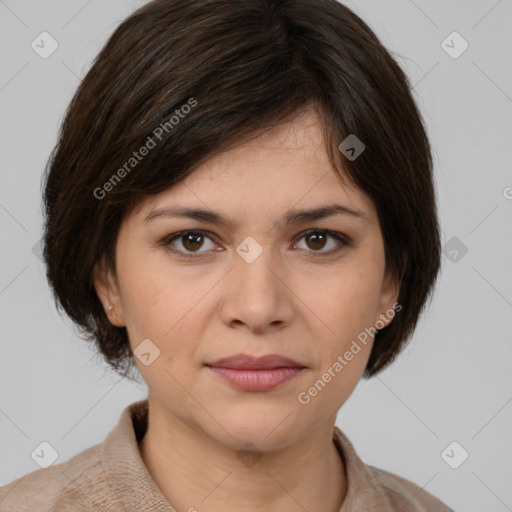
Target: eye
[(187, 244), (317, 240), (190, 242)]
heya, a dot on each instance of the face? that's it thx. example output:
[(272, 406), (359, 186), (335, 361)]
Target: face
[(200, 290)]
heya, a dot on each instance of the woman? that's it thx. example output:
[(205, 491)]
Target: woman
[(241, 208)]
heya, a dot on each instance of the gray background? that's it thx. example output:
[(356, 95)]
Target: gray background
[(452, 383)]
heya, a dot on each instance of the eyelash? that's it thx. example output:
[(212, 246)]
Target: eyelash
[(167, 242)]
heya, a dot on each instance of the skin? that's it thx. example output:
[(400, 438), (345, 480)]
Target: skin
[(293, 300)]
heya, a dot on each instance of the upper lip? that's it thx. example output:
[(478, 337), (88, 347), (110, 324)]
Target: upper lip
[(247, 362)]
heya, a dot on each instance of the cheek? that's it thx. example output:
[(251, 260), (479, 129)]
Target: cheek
[(346, 308), (348, 305), (166, 307)]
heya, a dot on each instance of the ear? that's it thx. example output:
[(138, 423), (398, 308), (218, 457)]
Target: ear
[(107, 289), (388, 297)]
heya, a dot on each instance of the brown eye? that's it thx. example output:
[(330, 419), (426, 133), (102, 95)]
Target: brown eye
[(192, 241), (316, 240), (193, 244), (188, 243)]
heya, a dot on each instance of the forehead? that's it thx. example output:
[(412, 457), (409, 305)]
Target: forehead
[(267, 173), (278, 147)]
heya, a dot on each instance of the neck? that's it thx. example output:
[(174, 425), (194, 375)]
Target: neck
[(194, 471)]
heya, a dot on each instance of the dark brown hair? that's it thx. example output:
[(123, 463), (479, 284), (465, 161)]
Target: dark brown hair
[(247, 65)]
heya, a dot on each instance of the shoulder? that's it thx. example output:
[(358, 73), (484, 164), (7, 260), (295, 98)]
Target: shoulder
[(405, 495), (372, 488), (77, 485)]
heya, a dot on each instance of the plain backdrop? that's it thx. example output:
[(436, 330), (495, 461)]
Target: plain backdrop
[(452, 384)]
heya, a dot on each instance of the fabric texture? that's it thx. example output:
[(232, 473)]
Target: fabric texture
[(112, 477)]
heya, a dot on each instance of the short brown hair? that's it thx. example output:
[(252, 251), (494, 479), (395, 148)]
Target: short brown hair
[(247, 65)]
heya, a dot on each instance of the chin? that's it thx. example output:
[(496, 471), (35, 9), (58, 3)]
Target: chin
[(268, 430)]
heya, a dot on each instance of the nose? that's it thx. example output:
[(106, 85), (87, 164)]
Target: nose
[(257, 297)]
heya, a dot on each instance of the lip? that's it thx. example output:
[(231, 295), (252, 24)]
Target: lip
[(247, 362), (250, 373), (256, 380)]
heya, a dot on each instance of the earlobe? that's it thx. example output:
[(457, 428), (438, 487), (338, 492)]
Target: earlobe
[(108, 293)]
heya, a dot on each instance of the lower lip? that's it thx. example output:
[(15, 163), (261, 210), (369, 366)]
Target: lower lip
[(256, 380)]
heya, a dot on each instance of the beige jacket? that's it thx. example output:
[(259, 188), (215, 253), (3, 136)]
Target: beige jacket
[(111, 477)]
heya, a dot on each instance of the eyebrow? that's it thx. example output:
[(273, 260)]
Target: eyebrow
[(292, 217)]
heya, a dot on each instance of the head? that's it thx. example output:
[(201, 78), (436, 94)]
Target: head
[(243, 109)]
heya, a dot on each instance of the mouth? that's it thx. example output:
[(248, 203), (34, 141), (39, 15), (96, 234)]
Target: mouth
[(250, 373)]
